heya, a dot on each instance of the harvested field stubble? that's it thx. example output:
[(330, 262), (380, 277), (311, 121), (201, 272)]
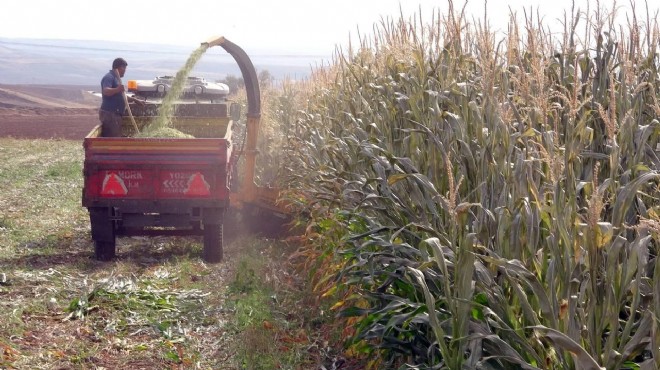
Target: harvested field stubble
[(158, 305)]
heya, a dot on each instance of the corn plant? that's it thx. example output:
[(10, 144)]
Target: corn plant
[(493, 201)]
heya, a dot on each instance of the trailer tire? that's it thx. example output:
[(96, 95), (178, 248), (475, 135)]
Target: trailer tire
[(104, 250), (213, 242), (103, 233)]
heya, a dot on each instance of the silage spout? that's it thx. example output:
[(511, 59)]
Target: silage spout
[(214, 41), (249, 192)]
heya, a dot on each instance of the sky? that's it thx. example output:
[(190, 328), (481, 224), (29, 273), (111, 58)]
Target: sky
[(283, 26)]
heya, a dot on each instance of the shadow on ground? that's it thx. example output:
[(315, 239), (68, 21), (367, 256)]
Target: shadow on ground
[(77, 249)]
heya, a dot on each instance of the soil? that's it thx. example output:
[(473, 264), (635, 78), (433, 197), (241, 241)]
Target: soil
[(47, 112)]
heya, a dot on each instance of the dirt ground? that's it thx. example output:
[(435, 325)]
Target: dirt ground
[(56, 125), (39, 112)]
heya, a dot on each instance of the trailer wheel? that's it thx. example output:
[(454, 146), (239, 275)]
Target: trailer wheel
[(103, 233), (213, 243), (104, 250)]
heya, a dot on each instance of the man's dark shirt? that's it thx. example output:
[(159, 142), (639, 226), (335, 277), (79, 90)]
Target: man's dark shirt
[(113, 103)]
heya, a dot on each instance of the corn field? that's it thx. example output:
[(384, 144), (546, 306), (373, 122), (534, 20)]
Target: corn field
[(476, 201)]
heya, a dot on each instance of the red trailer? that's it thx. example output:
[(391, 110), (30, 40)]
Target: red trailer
[(157, 187), (173, 186)]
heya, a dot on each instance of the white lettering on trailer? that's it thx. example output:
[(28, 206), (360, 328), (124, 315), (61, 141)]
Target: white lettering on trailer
[(130, 175), (175, 184)]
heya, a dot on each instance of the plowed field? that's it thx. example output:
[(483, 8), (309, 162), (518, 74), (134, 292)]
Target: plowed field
[(34, 111), (48, 123)]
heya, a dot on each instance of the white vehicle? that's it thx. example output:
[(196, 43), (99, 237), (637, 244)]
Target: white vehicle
[(196, 87)]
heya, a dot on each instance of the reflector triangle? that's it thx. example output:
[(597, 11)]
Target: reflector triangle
[(197, 186), (113, 185)]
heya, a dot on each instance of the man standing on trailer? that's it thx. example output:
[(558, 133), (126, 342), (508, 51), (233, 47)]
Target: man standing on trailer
[(113, 103)]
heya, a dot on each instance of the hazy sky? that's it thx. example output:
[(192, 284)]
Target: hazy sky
[(288, 26)]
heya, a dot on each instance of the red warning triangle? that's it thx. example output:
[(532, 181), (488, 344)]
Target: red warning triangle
[(197, 186), (113, 185)]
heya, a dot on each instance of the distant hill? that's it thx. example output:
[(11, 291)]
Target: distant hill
[(13, 98), (82, 62)]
